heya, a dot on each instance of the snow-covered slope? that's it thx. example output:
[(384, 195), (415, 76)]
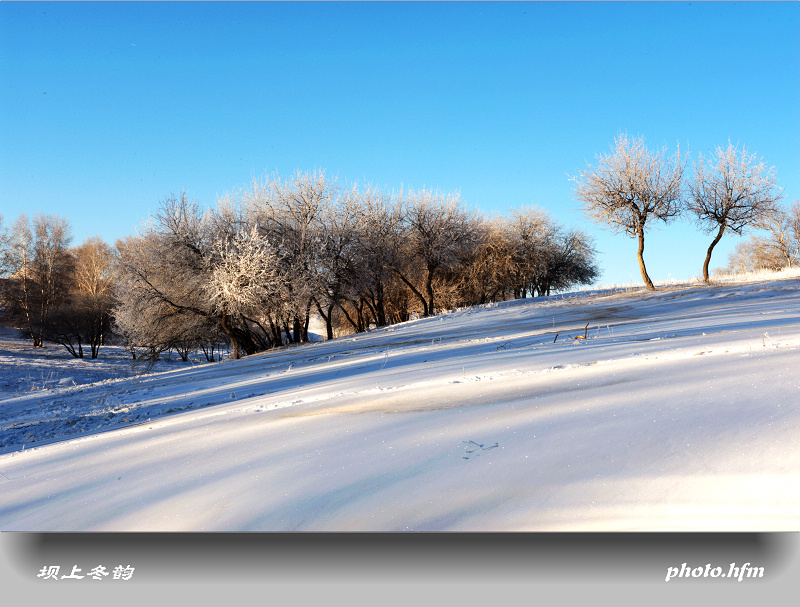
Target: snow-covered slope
[(680, 411)]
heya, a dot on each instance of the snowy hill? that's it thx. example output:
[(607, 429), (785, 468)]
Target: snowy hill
[(678, 411)]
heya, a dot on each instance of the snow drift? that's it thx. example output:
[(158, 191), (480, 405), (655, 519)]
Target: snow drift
[(668, 410)]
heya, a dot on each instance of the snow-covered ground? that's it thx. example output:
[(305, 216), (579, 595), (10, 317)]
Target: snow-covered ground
[(24, 368), (679, 411)]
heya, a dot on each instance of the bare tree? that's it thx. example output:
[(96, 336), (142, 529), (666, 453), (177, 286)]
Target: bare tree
[(753, 255), (94, 283), (4, 238), (739, 259), (440, 235), (163, 272), (784, 228), (533, 235), (730, 192), (39, 265), (84, 314), (489, 273), (570, 262), (630, 187), (378, 246), (338, 266), (290, 213), (94, 267)]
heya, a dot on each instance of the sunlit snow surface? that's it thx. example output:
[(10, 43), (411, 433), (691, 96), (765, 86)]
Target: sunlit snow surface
[(680, 411)]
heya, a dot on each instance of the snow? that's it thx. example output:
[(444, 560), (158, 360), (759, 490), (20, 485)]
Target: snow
[(679, 411)]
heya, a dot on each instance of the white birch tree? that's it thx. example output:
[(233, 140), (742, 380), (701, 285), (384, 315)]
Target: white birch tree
[(39, 264)]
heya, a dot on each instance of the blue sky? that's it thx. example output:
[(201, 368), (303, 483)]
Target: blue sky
[(107, 108)]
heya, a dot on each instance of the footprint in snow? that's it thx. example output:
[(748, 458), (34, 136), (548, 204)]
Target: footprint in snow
[(473, 449)]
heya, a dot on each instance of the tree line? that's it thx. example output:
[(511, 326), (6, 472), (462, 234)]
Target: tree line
[(252, 270), (52, 291), (249, 272)]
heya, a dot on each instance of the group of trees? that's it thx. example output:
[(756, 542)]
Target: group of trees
[(54, 292), (778, 249), (258, 265), (253, 269), (632, 187)]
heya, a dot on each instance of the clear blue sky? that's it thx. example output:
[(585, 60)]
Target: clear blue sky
[(107, 108)]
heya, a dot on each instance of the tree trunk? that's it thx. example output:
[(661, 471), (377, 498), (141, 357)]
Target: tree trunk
[(640, 255), (416, 292), (297, 329), (380, 308), (276, 331), (363, 319), (240, 340), (710, 249), (328, 318), (307, 321), (329, 322), (226, 327), (348, 317), (429, 289)]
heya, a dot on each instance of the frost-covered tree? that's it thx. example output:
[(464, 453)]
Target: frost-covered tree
[(547, 256), (533, 234), (784, 228), (3, 245), (244, 277), (163, 272), (257, 264), (289, 213), (631, 187), (440, 235), (192, 268), (731, 191), (379, 252), (339, 269), (246, 286)]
